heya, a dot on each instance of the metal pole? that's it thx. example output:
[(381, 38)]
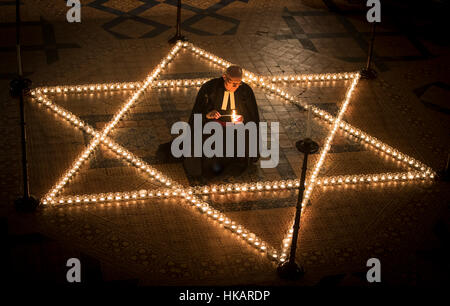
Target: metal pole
[(19, 57), (368, 72), (298, 211), (178, 35), (178, 18), (290, 270), (372, 38), (17, 87), (26, 188)]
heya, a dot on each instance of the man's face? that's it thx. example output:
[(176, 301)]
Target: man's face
[(231, 83)]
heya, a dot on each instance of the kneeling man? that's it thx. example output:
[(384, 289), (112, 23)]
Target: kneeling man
[(224, 99)]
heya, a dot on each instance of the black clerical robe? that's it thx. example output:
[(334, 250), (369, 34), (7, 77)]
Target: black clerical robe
[(210, 97)]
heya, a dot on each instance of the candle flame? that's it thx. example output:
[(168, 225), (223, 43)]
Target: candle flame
[(234, 117)]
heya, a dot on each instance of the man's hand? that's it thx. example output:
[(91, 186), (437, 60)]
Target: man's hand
[(213, 115)]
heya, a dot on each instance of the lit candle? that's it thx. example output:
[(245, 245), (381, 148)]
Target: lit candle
[(234, 117)]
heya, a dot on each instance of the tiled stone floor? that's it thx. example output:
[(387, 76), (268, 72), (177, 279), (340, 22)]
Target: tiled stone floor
[(160, 242)]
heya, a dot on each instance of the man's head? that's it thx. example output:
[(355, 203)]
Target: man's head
[(232, 78)]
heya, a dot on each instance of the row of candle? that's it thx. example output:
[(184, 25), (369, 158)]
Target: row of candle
[(178, 83), (61, 89), (87, 88), (182, 83), (323, 181), (241, 187), (311, 77)]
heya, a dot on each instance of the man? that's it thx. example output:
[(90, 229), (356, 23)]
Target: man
[(216, 101)]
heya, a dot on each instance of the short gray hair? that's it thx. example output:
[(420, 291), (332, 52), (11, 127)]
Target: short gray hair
[(234, 71)]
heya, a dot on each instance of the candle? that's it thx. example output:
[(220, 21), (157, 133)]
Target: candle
[(308, 123), (235, 118)]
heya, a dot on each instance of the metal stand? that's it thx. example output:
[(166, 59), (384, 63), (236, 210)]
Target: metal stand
[(290, 270), (368, 72), (178, 35), (18, 87)]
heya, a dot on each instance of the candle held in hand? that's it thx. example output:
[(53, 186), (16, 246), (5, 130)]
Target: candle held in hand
[(235, 118)]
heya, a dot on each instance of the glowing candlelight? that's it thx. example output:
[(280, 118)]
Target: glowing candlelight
[(235, 118)]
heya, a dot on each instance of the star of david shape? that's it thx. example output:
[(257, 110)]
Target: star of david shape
[(173, 189)]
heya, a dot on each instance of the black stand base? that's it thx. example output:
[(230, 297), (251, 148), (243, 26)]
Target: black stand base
[(26, 204), (176, 38), (307, 146), (290, 271), (368, 74), (18, 86)]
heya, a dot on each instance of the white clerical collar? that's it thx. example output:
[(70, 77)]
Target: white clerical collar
[(225, 100)]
